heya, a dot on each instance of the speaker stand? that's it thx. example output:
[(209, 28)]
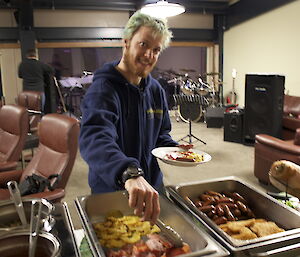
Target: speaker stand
[(190, 136)]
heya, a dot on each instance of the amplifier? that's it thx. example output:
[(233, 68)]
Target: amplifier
[(214, 117), (233, 126)]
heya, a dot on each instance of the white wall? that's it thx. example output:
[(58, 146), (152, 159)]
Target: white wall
[(269, 43)]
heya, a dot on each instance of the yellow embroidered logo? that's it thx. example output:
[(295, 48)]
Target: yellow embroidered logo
[(159, 111)]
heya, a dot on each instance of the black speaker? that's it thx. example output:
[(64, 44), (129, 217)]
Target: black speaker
[(214, 117), (233, 126), (263, 106)]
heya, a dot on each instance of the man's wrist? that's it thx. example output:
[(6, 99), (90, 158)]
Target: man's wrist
[(131, 172)]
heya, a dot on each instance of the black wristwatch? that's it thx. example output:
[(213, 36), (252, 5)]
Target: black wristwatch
[(131, 172)]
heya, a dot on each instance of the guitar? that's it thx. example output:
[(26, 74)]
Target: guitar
[(233, 95)]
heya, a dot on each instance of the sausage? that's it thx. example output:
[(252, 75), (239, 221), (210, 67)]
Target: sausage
[(198, 203), (220, 220), (213, 193), (206, 208), (219, 210), (236, 196), (228, 213), (232, 206), (225, 200), (241, 206), (208, 202), (237, 213), (205, 197), (211, 213)]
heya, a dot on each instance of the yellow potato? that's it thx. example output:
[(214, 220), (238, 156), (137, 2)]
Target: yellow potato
[(116, 232)]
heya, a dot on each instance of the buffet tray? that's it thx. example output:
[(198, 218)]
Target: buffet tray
[(94, 208), (261, 204), (63, 229)]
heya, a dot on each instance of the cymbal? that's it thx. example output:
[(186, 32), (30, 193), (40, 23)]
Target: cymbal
[(187, 70), (174, 73), (212, 74)]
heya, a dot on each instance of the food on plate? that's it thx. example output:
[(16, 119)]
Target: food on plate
[(154, 246), (129, 236), (224, 206), (250, 229), (185, 156), (119, 231)]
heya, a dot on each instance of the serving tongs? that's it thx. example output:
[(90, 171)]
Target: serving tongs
[(36, 209), (171, 235), (16, 198)]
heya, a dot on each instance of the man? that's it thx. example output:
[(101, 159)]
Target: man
[(125, 116), (34, 74)]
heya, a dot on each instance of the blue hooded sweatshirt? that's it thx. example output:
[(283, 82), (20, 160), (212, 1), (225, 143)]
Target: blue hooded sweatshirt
[(121, 124)]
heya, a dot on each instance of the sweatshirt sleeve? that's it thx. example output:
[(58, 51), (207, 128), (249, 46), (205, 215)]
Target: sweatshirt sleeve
[(98, 135)]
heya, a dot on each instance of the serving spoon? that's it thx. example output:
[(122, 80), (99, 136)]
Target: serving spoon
[(16, 198)]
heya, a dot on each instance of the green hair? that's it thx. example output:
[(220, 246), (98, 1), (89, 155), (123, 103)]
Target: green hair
[(159, 26)]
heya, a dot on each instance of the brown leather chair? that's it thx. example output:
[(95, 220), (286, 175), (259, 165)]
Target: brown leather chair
[(32, 101), (13, 132), (269, 149), (55, 154), (291, 116)]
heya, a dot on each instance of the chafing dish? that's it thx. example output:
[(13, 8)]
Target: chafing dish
[(93, 208), (56, 227), (9, 218), (261, 204), (16, 243)]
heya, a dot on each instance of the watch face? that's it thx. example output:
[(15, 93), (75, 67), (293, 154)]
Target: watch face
[(132, 172)]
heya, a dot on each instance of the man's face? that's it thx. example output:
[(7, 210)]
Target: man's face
[(141, 52)]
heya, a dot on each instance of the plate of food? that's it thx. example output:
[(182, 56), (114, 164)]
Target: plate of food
[(180, 157)]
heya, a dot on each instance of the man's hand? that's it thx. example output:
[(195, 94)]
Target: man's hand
[(143, 198)]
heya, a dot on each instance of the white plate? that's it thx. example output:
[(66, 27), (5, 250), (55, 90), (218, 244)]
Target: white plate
[(161, 153)]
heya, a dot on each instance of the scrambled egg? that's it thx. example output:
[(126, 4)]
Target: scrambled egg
[(117, 232)]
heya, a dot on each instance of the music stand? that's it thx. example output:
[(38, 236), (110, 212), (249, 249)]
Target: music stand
[(180, 99)]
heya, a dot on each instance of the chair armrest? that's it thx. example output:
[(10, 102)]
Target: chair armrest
[(278, 144), (53, 196), (6, 176), (291, 123), (4, 166)]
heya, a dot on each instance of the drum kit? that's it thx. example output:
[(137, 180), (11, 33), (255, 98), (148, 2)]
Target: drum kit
[(71, 92), (192, 96)]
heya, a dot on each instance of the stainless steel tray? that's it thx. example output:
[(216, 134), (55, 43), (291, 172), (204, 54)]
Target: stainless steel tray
[(93, 208), (261, 204)]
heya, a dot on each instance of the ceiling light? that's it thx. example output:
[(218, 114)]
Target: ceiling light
[(163, 9)]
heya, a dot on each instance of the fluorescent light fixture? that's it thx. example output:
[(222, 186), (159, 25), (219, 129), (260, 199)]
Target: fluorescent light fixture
[(163, 9)]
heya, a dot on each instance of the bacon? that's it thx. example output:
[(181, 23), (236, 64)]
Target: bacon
[(155, 246)]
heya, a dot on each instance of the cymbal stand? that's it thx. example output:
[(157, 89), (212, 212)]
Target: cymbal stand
[(175, 108), (190, 135)]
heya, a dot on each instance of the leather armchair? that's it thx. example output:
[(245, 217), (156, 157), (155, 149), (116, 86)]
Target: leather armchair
[(32, 101), (291, 116), (55, 154), (269, 149), (13, 132)]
